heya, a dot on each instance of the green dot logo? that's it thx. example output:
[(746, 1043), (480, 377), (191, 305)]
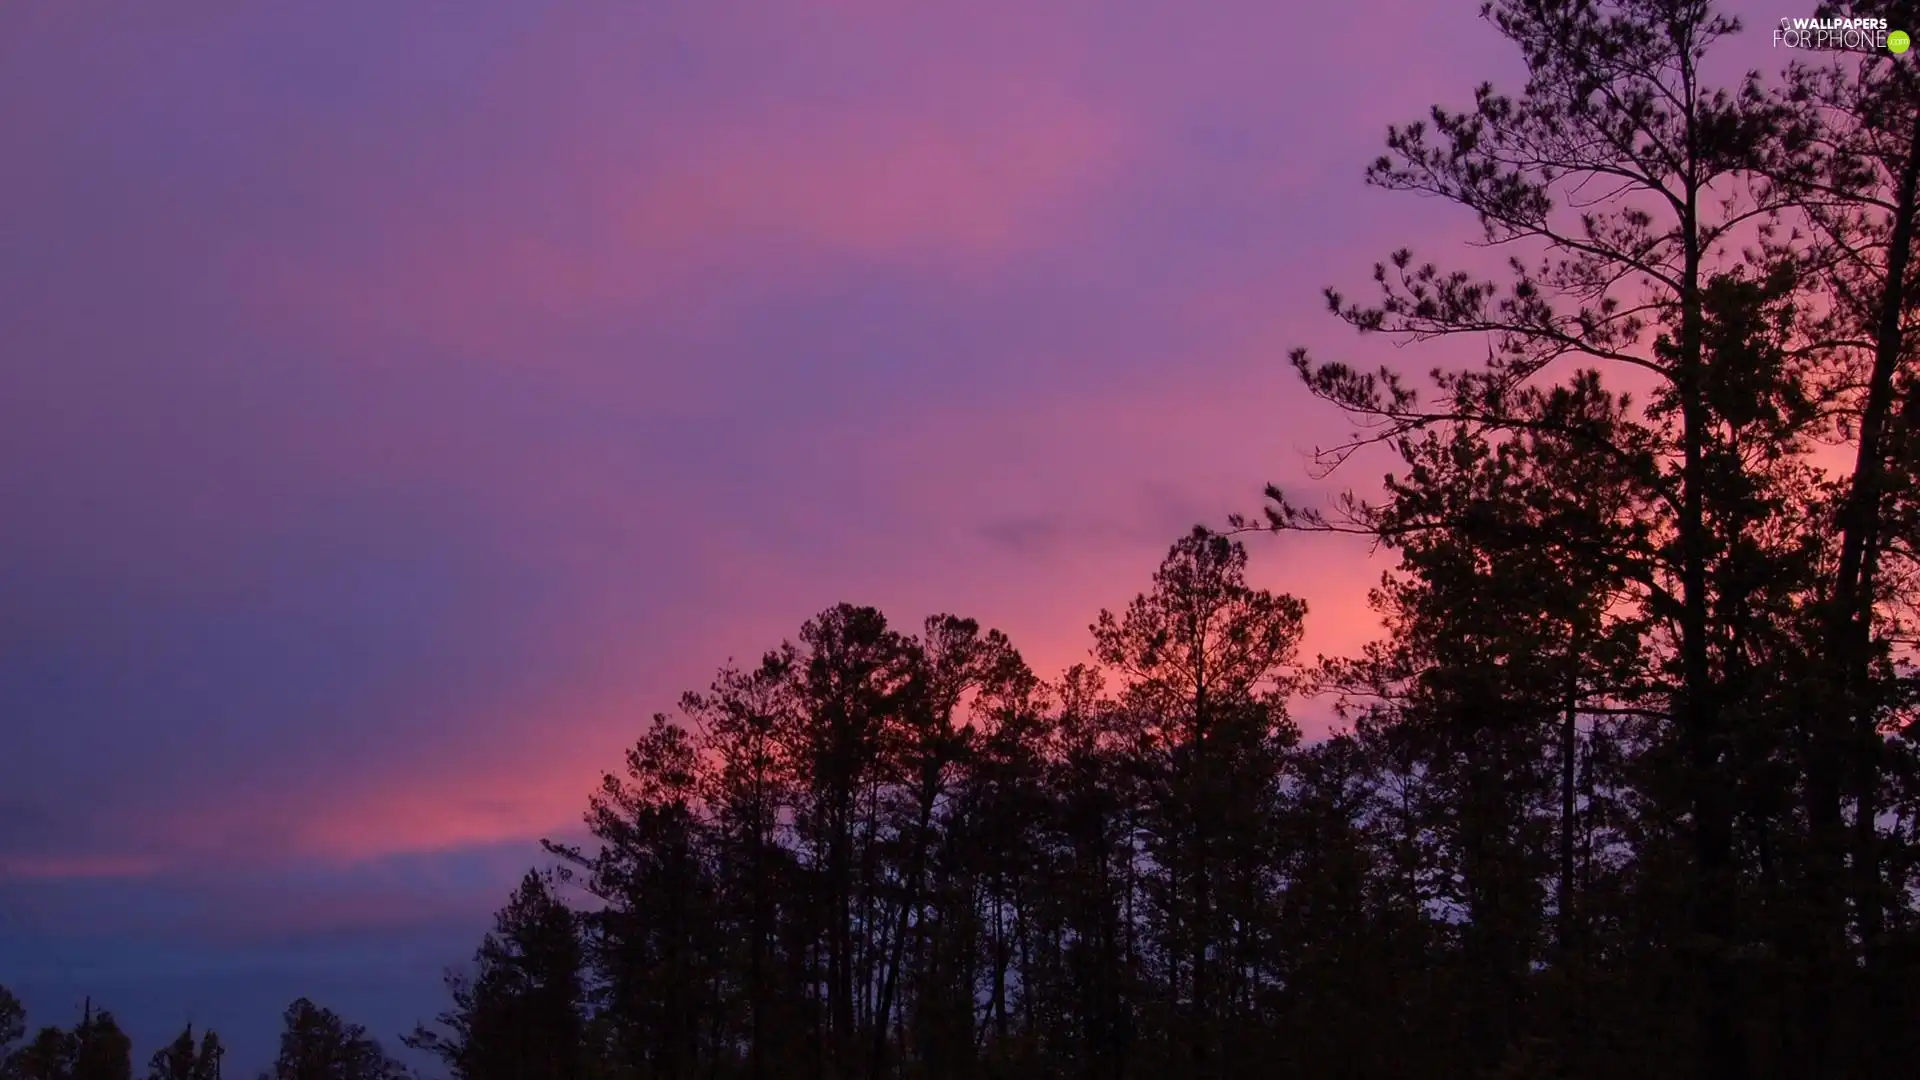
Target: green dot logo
[(1898, 41)]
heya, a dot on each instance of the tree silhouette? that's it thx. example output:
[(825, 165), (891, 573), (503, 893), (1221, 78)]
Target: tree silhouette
[(49, 1055), (316, 1044), (183, 1059), (520, 1016), (1746, 565), (95, 1048), (13, 1022), (1201, 659)]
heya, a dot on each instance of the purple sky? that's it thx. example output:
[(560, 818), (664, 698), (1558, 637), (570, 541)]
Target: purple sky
[(401, 401)]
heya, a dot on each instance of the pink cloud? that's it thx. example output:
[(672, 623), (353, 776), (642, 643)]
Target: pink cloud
[(1001, 176), (983, 147), (758, 193), (487, 790)]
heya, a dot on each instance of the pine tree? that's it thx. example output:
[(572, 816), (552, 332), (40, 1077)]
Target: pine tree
[(520, 1016), (316, 1044), (184, 1059), (1202, 660)]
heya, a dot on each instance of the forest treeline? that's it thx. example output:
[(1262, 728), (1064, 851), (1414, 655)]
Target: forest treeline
[(315, 1044), (1628, 787)]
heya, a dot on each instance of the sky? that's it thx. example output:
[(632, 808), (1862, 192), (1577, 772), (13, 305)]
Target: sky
[(401, 402)]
